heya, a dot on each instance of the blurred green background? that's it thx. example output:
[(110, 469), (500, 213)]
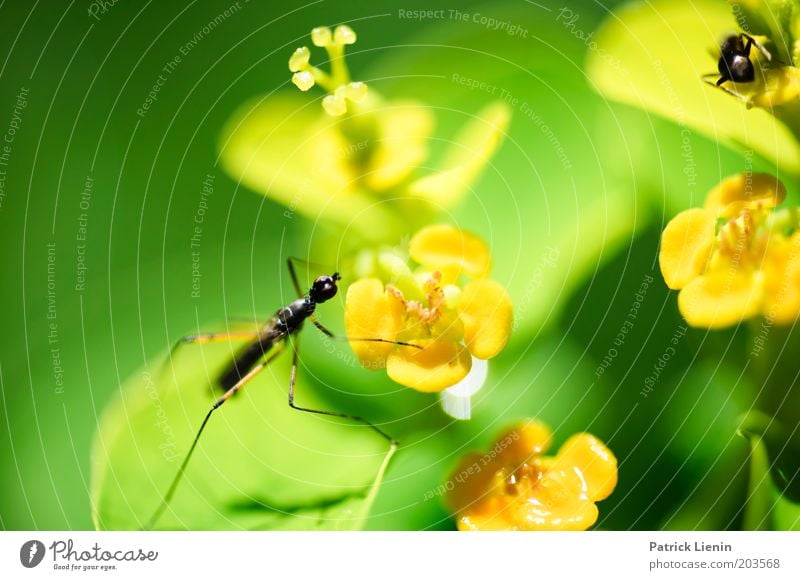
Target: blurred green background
[(572, 206)]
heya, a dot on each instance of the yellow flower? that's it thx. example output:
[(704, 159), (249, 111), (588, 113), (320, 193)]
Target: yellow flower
[(335, 165), (776, 86), (737, 257), (401, 129), (429, 308), (515, 487)]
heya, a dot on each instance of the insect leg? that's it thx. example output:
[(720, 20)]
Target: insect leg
[(182, 469), (290, 262), (293, 380), (330, 335), (211, 337), (718, 84), (753, 42), (203, 339), (293, 273)]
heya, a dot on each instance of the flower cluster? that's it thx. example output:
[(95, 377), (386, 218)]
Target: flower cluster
[(518, 488), (447, 306), (364, 163), (399, 129), (363, 160), (737, 257)]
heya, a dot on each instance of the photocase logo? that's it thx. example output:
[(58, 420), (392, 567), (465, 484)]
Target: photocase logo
[(31, 553)]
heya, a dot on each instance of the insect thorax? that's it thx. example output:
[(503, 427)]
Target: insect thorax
[(291, 317)]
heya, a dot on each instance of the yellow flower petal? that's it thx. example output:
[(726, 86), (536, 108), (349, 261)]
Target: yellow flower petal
[(514, 487), (713, 203), (524, 441), (293, 155), (595, 462), (782, 281), (781, 86), (721, 298), (470, 153), (556, 507), (685, 246), (487, 313), (469, 479), (371, 312), (401, 146), (444, 247), (473, 476), (449, 326), (440, 364), (332, 157), (745, 191)]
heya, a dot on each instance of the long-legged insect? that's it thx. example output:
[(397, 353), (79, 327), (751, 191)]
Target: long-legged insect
[(255, 357)]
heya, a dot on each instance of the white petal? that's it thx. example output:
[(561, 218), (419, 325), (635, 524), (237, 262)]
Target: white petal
[(457, 400)]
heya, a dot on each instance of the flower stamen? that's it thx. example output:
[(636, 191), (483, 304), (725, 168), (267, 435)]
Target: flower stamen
[(337, 84)]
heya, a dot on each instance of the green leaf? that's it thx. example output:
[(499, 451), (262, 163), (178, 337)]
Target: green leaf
[(786, 515), (701, 430), (412, 498), (771, 18), (767, 507), (774, 475), (664, 77), (795, 33), (258, 465), (783, 448), (759, 492), (716, 499)]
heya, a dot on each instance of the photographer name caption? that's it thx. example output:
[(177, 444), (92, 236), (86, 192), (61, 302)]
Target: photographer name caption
[(632, 554), (729, 554)]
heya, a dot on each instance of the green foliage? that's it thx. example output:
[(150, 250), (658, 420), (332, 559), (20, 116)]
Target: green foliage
[(665, 77), (560, 196), (766, 507), (771, 18), (780, 448), (572, 206), (259, 464)]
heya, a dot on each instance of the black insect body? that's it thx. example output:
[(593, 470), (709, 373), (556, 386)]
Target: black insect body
[(285, 322), (735, 64), (264, 346), (734, 61)]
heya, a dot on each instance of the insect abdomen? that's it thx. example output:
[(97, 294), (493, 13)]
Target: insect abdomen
[(244, 362)]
